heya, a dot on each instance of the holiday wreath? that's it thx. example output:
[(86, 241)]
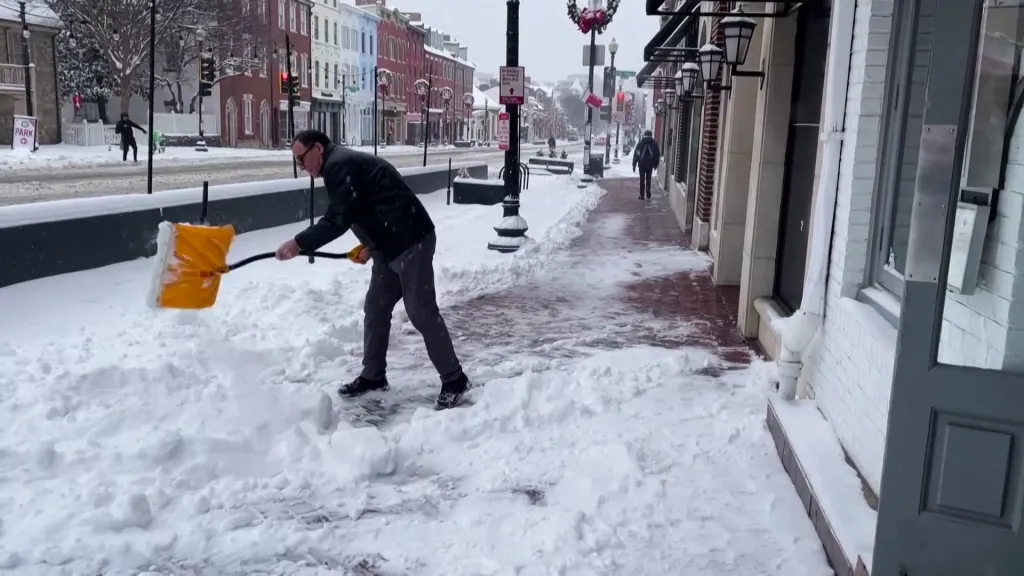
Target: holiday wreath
[(588, 20)]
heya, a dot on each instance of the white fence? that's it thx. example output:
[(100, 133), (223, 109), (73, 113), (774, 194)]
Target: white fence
[(97, 134)]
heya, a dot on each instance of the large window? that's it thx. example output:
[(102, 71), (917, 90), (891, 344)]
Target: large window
[(902, 117)]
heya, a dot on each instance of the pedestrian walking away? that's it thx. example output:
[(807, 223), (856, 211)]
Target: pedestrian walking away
[(646, 156), (125, 128), (368, 196)]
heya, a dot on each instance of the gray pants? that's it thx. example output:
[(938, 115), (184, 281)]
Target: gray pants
[(409, 277)]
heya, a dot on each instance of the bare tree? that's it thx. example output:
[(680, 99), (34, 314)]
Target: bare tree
[(230, 32), (120, 31)]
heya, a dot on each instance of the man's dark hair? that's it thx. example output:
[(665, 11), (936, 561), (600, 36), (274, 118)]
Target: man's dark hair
[(648, 133), (310, 138)]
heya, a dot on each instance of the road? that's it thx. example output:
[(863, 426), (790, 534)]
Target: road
[(28, 187)]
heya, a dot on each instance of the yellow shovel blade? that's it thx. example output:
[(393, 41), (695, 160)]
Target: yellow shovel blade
[(189, 262)]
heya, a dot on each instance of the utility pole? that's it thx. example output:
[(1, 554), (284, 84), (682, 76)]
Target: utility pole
[(426, 135), (26, 61), (152, 95), (344, 108)]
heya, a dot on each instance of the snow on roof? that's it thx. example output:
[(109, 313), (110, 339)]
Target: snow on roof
[(36, 13), (442, 53), (482, 101)]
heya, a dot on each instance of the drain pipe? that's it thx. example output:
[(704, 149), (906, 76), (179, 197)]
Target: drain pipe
[(800, 329)]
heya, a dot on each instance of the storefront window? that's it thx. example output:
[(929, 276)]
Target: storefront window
[(983, 313)]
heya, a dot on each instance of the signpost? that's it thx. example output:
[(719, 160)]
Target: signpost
[(512, 85), (24, 133), (504, 128), (625, 74)]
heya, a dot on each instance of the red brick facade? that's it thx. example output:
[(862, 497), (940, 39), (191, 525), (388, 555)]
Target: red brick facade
[(709, 135), (448, 72), (253, 111)]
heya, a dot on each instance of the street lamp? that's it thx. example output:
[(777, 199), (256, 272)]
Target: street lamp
[(468, 100), (613, 47), (686, 77), (710, 58), (420, 87), (737, 30), (446, 97)]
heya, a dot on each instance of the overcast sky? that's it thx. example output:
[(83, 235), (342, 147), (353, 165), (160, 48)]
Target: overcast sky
[(550, 46)]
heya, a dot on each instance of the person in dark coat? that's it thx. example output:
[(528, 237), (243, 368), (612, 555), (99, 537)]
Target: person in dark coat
[(368, 196), (125, 128), (647, 155)]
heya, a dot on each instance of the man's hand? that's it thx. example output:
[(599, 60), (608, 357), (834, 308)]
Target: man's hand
[(359, 254), (288, 250), (634, 168)]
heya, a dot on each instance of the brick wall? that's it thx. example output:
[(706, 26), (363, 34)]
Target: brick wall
[(709, 134)]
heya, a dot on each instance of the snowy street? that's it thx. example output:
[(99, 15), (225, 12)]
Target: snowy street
[(19, 186), (617, 426)]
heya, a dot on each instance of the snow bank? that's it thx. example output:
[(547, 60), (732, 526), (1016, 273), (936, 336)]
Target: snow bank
[(626, 462)]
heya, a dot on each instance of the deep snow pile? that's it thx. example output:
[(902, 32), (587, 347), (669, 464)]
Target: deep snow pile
[(207, 443)]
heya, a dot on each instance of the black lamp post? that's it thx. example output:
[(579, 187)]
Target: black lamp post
[(737, 33), (446, 98), (512, 228), (468, 100), (421, 86), (152, 94)]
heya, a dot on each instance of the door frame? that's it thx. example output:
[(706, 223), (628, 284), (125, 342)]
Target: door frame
[(951, 491), (804, 21)]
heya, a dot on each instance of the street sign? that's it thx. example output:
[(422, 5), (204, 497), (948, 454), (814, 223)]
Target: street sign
[(504, 130), (513, 85), (598, 55), (626, 74), (24, 133)]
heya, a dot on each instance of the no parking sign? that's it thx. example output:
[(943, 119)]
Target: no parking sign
[(24, 132)]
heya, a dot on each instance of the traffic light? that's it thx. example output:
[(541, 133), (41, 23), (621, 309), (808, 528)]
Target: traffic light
[(284, 83), (620, 102), (294, 85), (289, 84), (207, 74)]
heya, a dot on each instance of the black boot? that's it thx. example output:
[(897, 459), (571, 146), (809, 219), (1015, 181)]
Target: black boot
[(451, 393), (361, 386)]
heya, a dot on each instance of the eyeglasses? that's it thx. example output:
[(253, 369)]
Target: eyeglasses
[(300, 159)]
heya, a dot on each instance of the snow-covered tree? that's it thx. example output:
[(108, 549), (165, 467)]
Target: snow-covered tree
[(233, 34), (574, 107), (119, 29)]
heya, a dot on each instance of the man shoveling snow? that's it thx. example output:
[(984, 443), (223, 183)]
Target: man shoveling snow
[(368, 195)]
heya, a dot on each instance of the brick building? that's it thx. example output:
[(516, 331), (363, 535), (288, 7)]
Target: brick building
[(254, 112), (43, 25), (447, 67), (400, 52)]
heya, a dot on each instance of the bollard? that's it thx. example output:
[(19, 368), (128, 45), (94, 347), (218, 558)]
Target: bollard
[(448, 198), (312, 206), (206, 202)]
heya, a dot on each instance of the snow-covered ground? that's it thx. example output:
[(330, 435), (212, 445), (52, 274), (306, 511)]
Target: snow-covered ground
[(70, 156), (206, 443)]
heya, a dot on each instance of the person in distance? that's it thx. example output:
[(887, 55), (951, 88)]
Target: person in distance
[(647, 156)]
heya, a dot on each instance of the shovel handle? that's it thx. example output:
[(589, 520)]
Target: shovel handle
[(269, 255)]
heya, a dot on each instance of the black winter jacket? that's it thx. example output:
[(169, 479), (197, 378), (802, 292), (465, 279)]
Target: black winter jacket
[(124, 128), (370, 197), (646, 154)]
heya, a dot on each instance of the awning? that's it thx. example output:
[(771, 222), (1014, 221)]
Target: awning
[(670, 35)]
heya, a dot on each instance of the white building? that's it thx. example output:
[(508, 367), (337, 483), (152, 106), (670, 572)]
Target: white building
[(353, 42), (327, 53), (484, 124)]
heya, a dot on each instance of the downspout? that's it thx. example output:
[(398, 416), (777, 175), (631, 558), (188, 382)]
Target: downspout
[(799, 330)]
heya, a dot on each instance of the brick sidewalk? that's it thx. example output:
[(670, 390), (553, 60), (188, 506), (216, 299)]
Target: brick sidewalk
[(571, 306)]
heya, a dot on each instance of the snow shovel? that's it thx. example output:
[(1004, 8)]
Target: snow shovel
[(191, 258)]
